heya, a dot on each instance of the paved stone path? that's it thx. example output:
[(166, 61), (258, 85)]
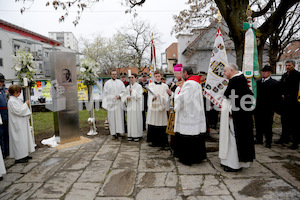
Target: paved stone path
[(120, 170)]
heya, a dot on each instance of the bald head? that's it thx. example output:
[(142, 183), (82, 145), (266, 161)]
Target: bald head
[(230, 70)]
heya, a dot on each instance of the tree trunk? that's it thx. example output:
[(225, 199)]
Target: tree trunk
[(239, 51)]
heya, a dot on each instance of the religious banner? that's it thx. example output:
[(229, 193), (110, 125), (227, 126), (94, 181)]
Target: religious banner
[(250, 60), (153, 62), (215, 82)]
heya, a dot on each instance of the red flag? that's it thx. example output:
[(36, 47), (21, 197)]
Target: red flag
[(153, 61)]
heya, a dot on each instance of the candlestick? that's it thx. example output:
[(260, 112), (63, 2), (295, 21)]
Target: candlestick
[(25, 81)]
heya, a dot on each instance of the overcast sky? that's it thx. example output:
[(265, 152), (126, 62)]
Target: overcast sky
[(105, 17)]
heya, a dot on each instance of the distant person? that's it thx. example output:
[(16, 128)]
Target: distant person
[(144, 84), (133, 96), (113, 104), (123, 78), (164, 79), (140, 79), (289, 89), (66, 76), (266, 100), (157, 119), (174, 89), (20, 137), (4, 136), (236, 146)]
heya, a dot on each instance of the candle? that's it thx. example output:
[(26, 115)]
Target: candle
[(25, 81), (129, 72)]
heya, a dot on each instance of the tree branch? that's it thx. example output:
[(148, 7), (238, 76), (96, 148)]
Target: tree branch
[(264, 10), (274, 21)]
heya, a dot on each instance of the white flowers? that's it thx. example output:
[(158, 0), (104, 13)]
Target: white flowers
[(24, 66), (88, 71), (22, 60)]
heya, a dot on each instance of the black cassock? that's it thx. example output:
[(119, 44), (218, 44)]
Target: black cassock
[(242, 120)]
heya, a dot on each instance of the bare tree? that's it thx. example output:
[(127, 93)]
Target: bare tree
[(108, 52), (80, 5), (138, 36), (272, 13), (284, 35)]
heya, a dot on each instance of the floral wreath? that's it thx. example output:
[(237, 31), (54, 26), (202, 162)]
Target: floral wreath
[(24, 66), (88, 71)]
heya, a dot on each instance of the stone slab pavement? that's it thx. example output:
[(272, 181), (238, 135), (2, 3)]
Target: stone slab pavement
[(106, 169)]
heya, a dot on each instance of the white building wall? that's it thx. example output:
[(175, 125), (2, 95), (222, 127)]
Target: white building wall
[(11, 42), (67, 38), (200, 57)]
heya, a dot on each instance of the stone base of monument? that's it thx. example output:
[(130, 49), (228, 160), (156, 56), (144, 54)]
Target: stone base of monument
[(82, 140)]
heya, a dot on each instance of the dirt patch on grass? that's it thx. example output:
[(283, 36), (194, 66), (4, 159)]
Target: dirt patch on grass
[(83, 132)]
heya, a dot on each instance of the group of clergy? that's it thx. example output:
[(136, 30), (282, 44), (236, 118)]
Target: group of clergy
[(190, 127)]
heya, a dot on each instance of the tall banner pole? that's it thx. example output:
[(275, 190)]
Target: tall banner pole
[(91, 120), (250, 59), (216, 84), (28, 97)]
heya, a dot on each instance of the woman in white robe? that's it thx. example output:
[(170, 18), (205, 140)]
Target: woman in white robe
[(20, 139), (133, 96)]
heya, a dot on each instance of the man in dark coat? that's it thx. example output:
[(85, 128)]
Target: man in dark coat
[(236, 136), (4, 136), (289, 88), (144, 83), (267, 98)]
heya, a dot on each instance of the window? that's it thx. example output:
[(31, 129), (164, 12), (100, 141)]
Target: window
[(27, 49), (16, 48), (0, 44), (1, 62), (40, 66)]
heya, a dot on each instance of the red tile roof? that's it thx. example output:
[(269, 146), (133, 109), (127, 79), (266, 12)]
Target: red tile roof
[(171, 51), (291, 51)]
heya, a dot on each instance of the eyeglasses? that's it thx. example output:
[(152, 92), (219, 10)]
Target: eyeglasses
[(131, 77)]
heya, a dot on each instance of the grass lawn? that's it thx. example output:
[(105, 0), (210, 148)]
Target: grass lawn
[(43, 121)]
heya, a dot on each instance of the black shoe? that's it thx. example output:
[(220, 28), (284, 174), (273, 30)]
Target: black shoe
[(229, 169), (258, 142), (293, 147), (29, 157), (119, 135), (281, 142), (23, 160), (153, 145), (114, 137), (268, 146), (1, 178)]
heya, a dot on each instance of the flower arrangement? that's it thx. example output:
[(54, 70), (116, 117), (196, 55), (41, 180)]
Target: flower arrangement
[(24, 66), (88, 69)]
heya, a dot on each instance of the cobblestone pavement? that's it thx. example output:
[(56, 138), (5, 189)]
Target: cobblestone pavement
[(121, 170)]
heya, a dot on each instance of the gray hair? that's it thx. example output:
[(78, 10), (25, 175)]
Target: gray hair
[(233, 66), (292, 61), (188, 70)]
